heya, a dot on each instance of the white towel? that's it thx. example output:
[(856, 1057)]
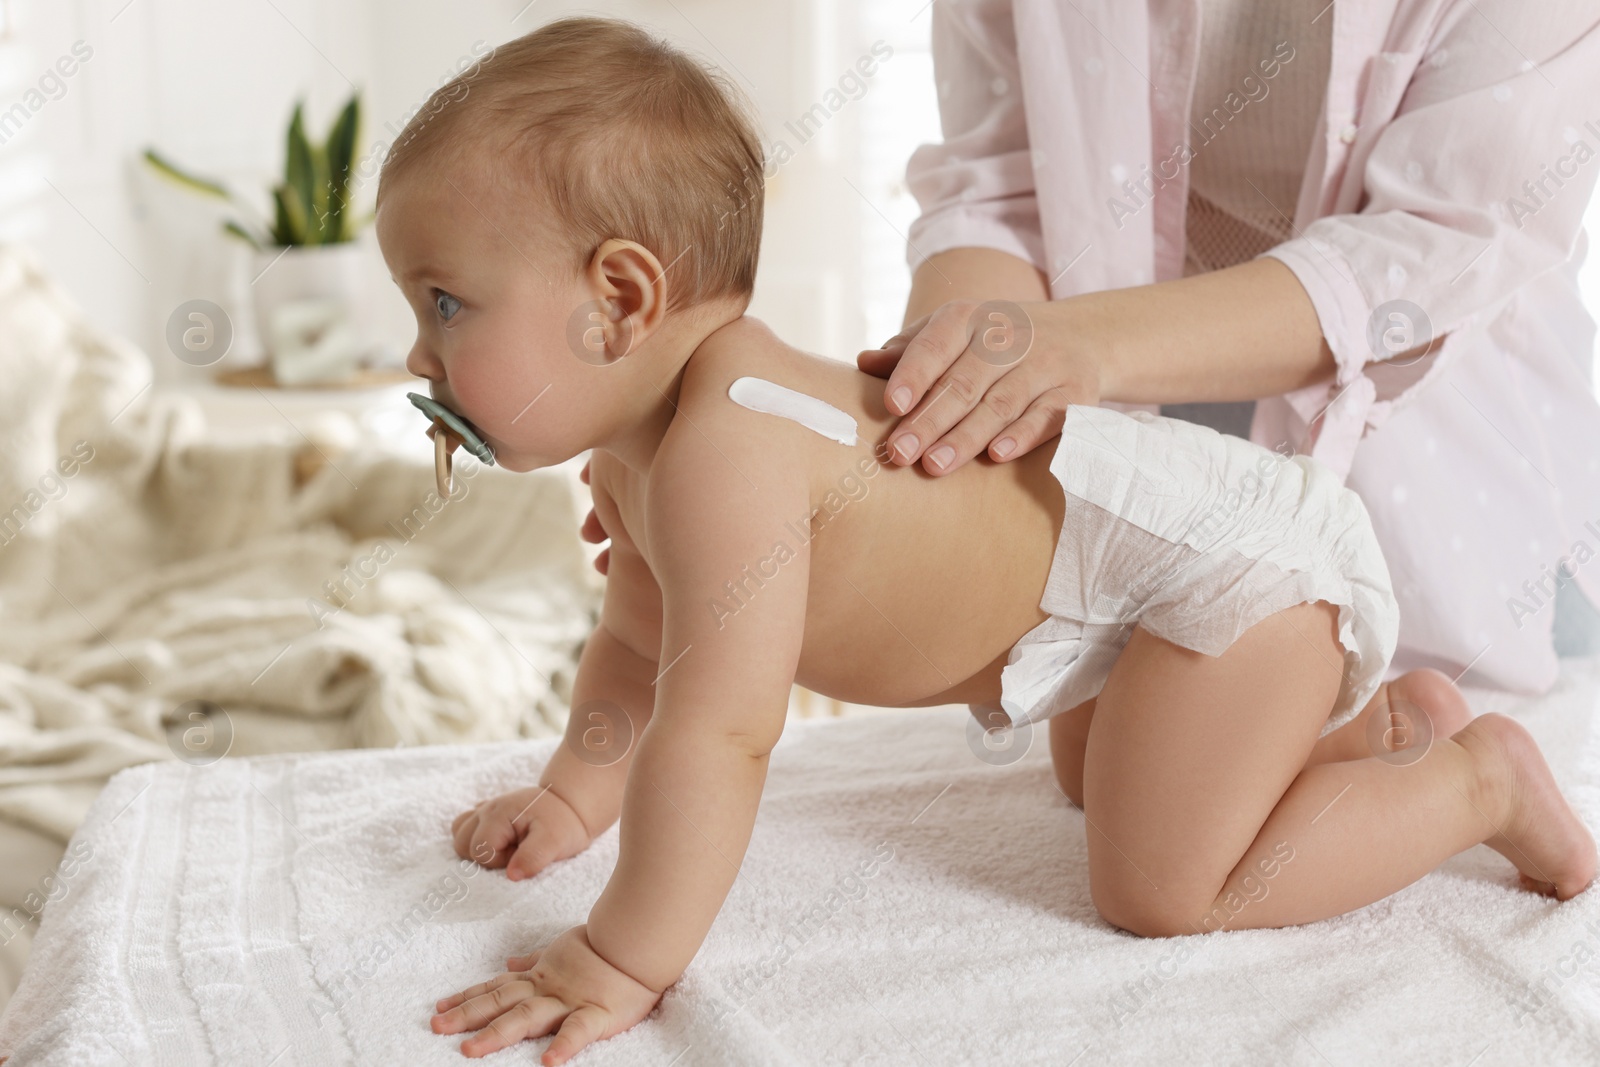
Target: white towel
[(903, 902)]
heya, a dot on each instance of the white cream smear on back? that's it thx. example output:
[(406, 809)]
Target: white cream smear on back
[(758, 394)]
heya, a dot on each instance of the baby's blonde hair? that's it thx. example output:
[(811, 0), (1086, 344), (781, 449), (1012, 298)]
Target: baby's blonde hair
[(619, 134)]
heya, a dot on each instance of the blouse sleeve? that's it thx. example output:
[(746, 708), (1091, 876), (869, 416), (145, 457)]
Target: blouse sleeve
[(977, 187), (1478, 184)]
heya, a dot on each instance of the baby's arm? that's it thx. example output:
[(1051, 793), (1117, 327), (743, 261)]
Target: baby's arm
[(723, 694), (579, 794)]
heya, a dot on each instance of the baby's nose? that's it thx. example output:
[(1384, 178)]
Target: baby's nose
[(423, 364)]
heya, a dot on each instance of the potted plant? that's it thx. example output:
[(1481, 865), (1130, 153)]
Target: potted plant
[(306, 267)]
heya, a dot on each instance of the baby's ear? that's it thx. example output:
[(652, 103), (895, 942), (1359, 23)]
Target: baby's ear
[(629, 276)]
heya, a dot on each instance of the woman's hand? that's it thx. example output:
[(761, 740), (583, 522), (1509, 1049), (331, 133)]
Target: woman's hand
[(567, 984), (985, 370)]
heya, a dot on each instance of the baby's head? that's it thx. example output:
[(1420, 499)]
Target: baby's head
[(586, 193)]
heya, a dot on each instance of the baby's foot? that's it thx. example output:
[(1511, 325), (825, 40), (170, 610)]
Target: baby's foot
[(1436, 695), (1540, 832)]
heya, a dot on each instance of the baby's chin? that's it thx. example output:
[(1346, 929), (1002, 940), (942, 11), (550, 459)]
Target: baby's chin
[(514, 460)]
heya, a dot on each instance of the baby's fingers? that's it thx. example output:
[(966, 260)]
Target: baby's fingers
[(475, 839), (448, 1011), (531, 1018), (523, 963), (582, 1027), (537, 851)]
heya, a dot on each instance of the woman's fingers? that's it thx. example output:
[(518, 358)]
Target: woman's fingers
[(602, 562), (878, 362), (1020, 411), (1042, 421), (934, 344), (591, 530), (974, 427), (965, 386), (981, 383)]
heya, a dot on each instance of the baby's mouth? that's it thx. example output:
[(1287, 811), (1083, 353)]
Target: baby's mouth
[(458, 429)]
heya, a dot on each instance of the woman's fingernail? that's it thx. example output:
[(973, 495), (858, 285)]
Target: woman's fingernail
[(1004, 447), (902, 398), (906, 445), (941, 456)]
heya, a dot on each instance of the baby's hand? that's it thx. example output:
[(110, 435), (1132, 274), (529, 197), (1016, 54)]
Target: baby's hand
[(567, 980), (523, 831)]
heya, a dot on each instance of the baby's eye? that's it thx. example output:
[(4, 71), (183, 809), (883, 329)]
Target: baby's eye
[(445, 304)]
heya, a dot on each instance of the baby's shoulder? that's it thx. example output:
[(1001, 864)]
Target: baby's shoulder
[(718, 455), (732, 351), (711, 426)]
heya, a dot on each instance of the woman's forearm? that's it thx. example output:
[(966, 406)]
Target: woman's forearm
[(1240, 333), (972, 274)]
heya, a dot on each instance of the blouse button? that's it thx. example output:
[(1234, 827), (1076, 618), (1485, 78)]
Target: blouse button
[(1348, 134)]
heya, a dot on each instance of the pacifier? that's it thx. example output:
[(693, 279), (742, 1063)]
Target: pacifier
[(449, 431)]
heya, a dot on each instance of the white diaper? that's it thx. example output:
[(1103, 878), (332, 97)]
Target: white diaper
[(1196, 536)]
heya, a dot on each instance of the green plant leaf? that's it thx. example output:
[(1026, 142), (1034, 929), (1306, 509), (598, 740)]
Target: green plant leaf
[(290, 226), (239, 231), (299, 175), (317, 222), (194, 182), (340, 152)]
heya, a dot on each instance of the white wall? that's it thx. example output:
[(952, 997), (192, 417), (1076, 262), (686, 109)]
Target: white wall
[(212, 84)]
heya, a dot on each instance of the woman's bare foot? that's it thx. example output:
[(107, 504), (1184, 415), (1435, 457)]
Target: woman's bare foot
[(1540, 833)]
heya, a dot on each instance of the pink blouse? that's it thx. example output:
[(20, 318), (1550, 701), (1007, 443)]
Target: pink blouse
[(1455, 154)]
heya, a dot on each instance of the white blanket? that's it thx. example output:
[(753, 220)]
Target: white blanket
[(143, 565), (902, 902)]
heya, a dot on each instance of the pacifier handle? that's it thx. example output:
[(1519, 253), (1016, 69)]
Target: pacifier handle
[(444, 443), (449, 430)]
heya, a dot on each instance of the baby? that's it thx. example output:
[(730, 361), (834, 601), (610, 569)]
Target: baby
[(1205, 624)]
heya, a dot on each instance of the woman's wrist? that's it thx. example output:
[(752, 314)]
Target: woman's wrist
[(1239, 333), (1081, 344)]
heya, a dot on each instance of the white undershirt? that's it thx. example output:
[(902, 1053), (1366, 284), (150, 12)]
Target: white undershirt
[(1250, 134)]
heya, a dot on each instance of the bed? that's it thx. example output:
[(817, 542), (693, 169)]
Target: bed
[(903, 901), (152, 571)]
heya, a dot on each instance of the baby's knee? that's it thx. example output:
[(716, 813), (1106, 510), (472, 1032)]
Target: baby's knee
[(1069, 736), (1140, 915)]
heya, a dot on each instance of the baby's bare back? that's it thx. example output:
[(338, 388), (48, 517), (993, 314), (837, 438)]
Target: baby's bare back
[(919, 585)]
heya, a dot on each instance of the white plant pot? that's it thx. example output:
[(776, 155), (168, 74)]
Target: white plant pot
[(310, 310)]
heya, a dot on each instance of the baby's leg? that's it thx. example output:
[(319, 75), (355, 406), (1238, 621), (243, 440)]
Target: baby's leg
[(1417, 707), (1203, 812), (1402, 702)]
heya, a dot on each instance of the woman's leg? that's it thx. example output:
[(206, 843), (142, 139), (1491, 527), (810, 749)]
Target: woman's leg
[(1204, 814), (1403, 702)]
